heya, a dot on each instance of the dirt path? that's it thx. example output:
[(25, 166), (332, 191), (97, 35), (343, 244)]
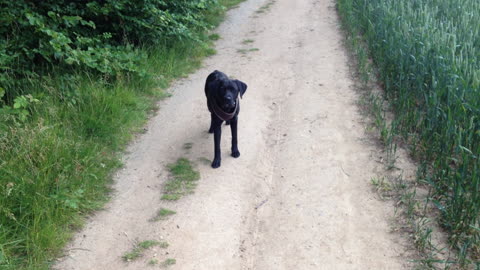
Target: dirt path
[(299, 197)]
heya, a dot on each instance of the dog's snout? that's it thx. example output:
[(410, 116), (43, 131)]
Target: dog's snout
[(229, 102)]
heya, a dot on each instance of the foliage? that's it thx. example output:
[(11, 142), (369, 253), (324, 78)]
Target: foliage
[(96, 35), (76, 80), (428, 56), (18, 112)]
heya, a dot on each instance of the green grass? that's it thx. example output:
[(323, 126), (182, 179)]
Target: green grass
[(245, 51), (382, 186), (265, 7), (163, 214), (183, 180), (56, 166), (428, 60), (140, 248), (247, 41), (169, 262), (153, 262), (231, 3), (214, 37)]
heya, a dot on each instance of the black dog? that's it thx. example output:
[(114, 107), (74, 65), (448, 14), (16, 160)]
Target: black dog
[(224, 105)]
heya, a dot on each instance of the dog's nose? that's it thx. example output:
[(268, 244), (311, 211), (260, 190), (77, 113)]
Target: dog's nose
[(229, 100)]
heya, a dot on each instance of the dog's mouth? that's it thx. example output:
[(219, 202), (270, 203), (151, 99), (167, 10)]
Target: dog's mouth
[(229, 106), (229, 103)]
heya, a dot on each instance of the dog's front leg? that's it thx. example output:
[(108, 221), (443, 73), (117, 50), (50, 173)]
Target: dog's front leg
[(233, 127), (210, 130), (217, 136)]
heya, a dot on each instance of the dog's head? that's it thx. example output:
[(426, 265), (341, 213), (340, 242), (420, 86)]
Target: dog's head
[(228, 91)]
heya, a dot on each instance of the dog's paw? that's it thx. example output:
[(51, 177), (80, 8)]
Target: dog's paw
[(216, 163), (210, 130), (235, 154)]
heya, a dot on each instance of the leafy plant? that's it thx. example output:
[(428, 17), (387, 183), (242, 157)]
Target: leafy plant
[(18, 112), (100, 35)]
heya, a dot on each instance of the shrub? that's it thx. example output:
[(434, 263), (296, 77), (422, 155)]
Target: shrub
[(96, 35)]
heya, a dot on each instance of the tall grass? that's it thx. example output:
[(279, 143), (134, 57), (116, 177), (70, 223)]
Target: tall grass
[(56, 166), (428, 56)]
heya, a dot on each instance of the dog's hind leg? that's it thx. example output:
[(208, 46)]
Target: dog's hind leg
[(233, 127)]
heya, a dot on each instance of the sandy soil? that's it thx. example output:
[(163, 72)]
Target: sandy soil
[(299, 197)]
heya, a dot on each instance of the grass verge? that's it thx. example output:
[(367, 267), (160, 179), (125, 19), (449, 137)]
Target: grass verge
[(56, 165)]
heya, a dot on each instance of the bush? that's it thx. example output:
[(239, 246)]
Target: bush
[(96, 35)]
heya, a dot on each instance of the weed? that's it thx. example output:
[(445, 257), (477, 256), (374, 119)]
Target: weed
[(148, 244), (169, 262), (247, 41), (163, 244), (411, 205), (265, 7), (132, 255), (139, 248), (182, 180), (163, 214), (382, 186), (153, 262), (244, 51), (423, 235), (137, 251)]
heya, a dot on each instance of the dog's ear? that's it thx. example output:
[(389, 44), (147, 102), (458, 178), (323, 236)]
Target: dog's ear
[(242, 87)]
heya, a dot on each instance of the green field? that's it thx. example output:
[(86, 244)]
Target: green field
[(427, 53), (76, 82)]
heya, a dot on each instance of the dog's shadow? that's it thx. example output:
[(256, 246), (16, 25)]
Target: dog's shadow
[(198, 144)]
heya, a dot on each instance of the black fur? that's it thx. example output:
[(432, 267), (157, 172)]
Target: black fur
[(224, 92)]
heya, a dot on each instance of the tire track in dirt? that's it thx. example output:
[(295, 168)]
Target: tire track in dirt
[(299, 197)]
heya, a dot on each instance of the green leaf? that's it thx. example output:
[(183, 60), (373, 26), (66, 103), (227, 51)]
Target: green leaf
[(2, 257)]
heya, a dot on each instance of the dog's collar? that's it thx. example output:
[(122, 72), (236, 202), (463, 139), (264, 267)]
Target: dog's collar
[(221, 113)]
